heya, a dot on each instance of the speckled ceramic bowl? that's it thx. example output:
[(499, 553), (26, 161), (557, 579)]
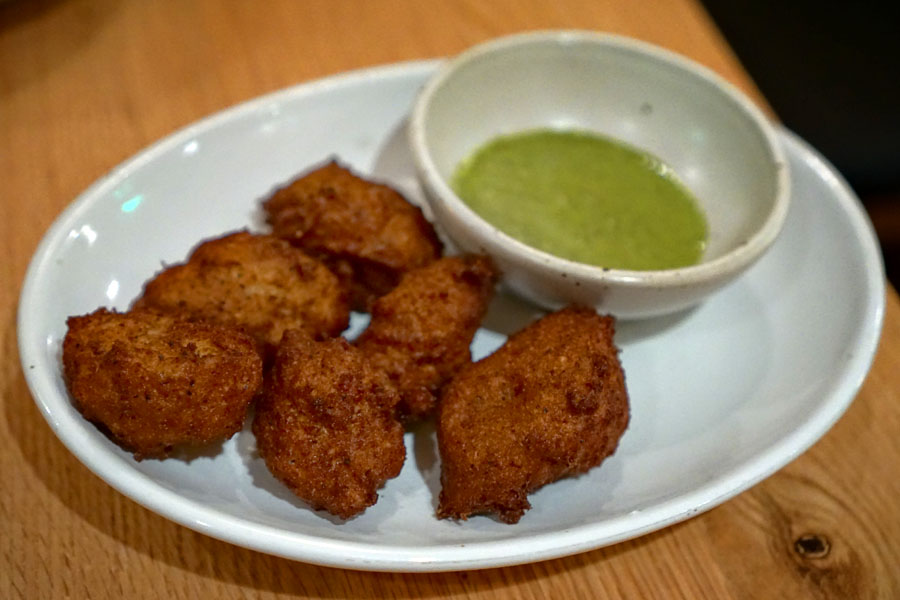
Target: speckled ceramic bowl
[(719, 144)]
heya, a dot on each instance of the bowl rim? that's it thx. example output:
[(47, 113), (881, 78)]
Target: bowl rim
[(733, 261)]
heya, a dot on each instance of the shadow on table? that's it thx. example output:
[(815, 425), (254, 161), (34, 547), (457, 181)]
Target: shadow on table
[(82, 18), (122, 521)]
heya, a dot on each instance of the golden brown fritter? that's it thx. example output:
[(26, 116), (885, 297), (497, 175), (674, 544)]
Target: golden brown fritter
[(155, 382), (258, 283), (421, 331), (367, 233), (551, 402), (325, 425)]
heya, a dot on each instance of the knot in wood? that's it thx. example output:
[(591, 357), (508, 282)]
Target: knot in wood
[(812, 545)]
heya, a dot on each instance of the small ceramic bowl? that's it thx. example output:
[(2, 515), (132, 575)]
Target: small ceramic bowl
[(718, 143)]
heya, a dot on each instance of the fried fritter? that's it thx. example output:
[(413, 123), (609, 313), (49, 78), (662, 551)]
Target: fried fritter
[(551, 402), (258, 283), (366, 232), (155, 382), (325, 425), (421, 331)]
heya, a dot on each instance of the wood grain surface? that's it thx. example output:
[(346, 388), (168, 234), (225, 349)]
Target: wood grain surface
[(86, 83)]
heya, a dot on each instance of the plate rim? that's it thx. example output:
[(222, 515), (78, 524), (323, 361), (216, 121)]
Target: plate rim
[(448, 557)]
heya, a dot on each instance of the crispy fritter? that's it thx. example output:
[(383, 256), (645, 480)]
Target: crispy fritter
[(325, 425), (258, 283), (366, 232), (421, 331), (155, 382), (551, 402)]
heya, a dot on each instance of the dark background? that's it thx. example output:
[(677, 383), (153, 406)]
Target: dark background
[(831, 71)]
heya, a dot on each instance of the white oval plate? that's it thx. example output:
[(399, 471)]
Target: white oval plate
[(722, 396)]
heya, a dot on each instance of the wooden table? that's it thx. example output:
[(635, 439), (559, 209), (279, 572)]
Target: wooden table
[(86, 83)]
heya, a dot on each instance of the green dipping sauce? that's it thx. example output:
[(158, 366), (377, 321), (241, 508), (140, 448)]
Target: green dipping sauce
[(586, 198)]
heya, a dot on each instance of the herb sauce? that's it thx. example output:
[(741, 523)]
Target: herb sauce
[(585, 198)]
